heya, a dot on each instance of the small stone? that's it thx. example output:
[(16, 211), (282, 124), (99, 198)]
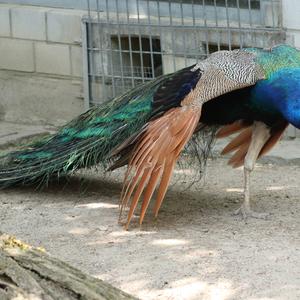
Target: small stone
[(102, 228)]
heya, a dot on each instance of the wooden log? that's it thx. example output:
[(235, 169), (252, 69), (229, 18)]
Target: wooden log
[(28, 273)]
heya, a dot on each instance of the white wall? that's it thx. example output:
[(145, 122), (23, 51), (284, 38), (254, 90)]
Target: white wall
[(291, 20), (40, 47)]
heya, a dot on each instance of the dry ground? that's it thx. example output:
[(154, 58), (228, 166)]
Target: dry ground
[(195, 249)]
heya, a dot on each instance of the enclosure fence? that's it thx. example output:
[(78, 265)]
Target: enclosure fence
[(129, 42)]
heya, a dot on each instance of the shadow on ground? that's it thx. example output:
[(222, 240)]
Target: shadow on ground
[(194, 250)]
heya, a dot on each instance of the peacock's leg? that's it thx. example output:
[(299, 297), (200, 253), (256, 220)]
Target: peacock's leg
[(260, 135)]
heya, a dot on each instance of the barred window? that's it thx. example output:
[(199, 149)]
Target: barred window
[(252, 4)]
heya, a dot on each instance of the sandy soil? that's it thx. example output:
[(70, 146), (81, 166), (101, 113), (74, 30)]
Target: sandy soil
[(195, 250)]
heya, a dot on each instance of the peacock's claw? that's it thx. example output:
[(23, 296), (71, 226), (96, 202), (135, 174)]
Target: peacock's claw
[(246, 213)]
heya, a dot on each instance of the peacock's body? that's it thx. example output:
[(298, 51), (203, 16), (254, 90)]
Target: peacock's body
[(252, 91)]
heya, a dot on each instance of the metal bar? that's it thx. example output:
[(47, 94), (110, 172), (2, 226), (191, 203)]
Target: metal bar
[(140, 39), (183, 34), (124, 76), (160, 34), (111, 53), (279, 13), (217, 24), (85, 66), (194, 26), (129, 43), (172, 36), (239, 22), (205, 26), (157, 53), (125, 51), (245, 28), (120, 44), (228, 26), (150, 40), (261, 15), (101, 53), (89, 54), (253, 37), (273, 14)]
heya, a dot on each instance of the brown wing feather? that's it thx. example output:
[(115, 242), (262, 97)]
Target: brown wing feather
[(230, 129), (241, 139), (275, 137), (154, 157), (238, 158), (240, 144)]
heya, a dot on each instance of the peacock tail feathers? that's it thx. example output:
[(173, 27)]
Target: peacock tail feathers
[(89, 139), (83, 142)]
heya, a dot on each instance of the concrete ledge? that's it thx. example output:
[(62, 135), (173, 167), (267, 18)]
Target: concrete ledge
[(64, 26), (4, 21), (76, 61), (53, 59), (28, 23), (12, 134), (41, 39), (291, 12), (16, 55), (37, 99)]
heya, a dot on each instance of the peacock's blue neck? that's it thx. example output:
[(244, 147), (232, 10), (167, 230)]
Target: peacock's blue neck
[(279, 94)]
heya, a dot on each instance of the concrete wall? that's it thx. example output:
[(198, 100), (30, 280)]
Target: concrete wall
[(41, 57), (40, 64), (291, 20)]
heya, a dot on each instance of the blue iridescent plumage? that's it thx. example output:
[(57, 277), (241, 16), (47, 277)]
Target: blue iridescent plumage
[(279, 94)]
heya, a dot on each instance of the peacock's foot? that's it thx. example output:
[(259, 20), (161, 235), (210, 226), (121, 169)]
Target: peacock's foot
[(246, 213)]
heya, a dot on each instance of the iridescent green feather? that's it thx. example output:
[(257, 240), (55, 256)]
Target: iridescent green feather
[(84, 142)]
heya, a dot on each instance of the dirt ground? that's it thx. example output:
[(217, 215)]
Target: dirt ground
[(195, 249)]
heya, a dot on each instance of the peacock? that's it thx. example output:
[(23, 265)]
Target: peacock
[(251, 94)]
